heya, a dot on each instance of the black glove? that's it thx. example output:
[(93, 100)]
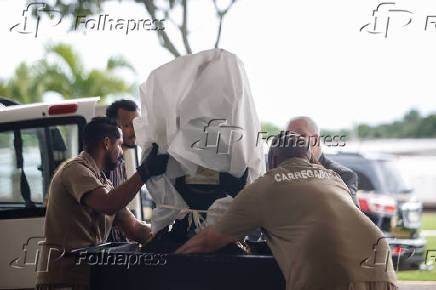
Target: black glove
[(154, 164)]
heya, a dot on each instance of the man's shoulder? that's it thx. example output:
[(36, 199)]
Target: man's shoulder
[(346, 174), (77, 162), (76, 166), (262, 184)]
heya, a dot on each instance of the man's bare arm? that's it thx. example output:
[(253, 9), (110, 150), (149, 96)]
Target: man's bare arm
[(244, 215), (134, 229), (116, 199), (111, 202), (206, 241)]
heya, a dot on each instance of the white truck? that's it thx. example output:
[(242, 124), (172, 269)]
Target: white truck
[(34, 140)]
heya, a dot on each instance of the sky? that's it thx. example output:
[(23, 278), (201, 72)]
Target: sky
[(324, 59)]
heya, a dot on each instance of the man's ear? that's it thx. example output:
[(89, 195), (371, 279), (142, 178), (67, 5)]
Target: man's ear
[(314, 140), (107, 143), (312, 158)]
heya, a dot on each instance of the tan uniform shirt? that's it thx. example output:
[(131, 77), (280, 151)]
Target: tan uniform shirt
[(69, 224), (318, 237)]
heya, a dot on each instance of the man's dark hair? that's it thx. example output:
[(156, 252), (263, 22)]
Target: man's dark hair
[(128, 105), (98, 129), (288, 145)]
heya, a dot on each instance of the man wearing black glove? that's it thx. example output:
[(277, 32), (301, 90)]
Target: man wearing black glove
[(154, 164), (83, 204)]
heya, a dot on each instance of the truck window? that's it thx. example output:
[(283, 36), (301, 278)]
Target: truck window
[(364, 183), (28, 159), (392, 177), (10, 174)]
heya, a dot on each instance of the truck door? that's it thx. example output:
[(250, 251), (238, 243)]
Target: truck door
[(30, 152)]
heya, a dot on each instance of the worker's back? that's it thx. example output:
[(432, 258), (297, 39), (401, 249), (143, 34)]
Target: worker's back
[(319, 238)]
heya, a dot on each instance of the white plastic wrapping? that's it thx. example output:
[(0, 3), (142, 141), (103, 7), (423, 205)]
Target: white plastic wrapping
[(217, 209), (200, 110)]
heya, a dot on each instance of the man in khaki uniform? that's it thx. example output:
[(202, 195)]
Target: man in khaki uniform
[(307, 128), (83, 205), (318, 237)]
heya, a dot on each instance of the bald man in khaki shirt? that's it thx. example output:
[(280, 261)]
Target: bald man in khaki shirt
[(318, 237)]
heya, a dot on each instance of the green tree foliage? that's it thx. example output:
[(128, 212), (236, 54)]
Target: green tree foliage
[(332, 133), (412, 125), (69, 78), (62, 71), (270, 129), (412, 116), (4, 88), (22, 87)]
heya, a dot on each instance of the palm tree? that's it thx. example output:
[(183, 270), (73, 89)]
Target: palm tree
[(65, 75), (68, 77), (22, 86)]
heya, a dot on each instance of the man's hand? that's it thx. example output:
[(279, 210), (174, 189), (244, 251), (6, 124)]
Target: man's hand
[(154, 164), (206, 241)]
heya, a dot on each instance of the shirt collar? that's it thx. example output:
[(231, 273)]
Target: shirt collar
[(89, 160), (296, 161)]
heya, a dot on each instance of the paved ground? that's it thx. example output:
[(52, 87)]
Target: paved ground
[(412, 285)]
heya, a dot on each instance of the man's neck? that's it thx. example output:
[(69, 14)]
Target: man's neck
[(293, 159), (99, 160)]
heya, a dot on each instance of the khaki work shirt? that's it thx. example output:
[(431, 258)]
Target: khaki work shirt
[(69, 224), (319, 238)]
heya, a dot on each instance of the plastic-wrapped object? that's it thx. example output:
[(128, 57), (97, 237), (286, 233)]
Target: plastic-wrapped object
[(200, 110), (217, 209)]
